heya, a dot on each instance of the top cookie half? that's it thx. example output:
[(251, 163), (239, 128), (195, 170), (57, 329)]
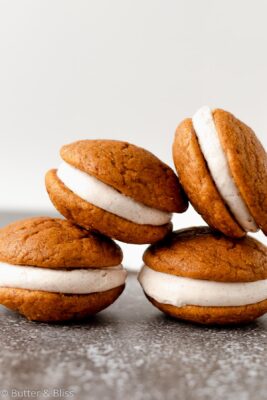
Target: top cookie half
[(55, 243), (116, 188), (223, 169)]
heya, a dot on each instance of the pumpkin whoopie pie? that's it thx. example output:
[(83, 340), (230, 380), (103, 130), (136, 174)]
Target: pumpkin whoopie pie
[(223, 169), (201, 276), (52, 270), (116, 188)]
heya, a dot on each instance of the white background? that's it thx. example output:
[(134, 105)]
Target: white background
[(121, 69)]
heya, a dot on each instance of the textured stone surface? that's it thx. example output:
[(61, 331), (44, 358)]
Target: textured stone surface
[(132, 351)]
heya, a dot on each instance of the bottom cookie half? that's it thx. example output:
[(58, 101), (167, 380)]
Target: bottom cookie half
[(42, 306), (214, 315)]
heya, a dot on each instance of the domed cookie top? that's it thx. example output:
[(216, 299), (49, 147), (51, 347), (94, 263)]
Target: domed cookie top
[(55, 243), (199, 253), (223, 169)]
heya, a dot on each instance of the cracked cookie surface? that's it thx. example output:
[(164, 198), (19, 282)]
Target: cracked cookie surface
[(199, 253), (56, 243)]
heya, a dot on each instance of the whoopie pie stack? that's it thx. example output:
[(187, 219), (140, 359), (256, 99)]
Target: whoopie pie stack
[(57, 270), (215, 275)]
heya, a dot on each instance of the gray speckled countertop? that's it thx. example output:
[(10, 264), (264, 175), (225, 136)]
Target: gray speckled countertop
[(132, 351)]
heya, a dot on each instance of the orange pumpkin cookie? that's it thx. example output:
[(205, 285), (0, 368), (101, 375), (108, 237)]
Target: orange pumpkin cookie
[(51, 270), (201, 276), (223, 169), (116, 188)]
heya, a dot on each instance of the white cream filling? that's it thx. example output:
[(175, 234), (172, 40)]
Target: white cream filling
[(75, 281), (179, 291), (216, 159), (104, 196)]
